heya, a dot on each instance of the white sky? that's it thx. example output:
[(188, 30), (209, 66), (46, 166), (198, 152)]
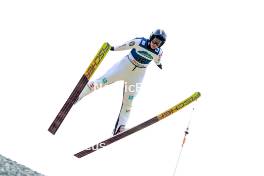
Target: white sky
[(215, 47)]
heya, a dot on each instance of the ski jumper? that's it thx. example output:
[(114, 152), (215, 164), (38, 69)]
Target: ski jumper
[(131, 69)]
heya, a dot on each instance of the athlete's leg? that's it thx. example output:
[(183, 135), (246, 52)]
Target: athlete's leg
[(129, 93)]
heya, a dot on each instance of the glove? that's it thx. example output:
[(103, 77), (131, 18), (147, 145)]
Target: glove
[(112, 48), (160, 66)]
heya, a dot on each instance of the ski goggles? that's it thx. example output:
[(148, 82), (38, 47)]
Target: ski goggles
[(156, 41)]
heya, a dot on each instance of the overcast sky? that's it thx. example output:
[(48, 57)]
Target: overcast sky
[(215, 47)]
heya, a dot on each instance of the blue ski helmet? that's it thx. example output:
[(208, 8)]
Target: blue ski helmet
[(160, 34)]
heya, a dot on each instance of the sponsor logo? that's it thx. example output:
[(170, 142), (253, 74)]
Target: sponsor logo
[(130, 97), (97, 60), (179, 106), (145, 54), (104, 80), (91, 85)]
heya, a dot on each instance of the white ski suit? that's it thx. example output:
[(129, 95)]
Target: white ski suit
[(131, 69)]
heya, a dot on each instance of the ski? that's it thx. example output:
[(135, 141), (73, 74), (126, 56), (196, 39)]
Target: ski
[(79, 87), (145, 124)]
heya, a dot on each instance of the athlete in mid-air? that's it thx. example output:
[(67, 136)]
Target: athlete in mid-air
[(131, 69)]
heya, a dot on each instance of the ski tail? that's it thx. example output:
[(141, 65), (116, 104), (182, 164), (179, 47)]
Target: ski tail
[(68, 105), (141, 126), (79, 87)]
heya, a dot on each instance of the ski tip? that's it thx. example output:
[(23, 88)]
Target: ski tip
[(106, 44), (197, 95)]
